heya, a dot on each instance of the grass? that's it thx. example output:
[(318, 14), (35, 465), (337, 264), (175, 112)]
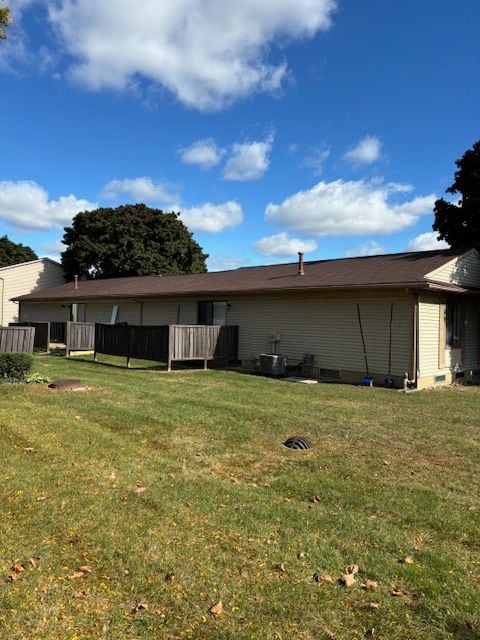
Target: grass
[(176, 491)]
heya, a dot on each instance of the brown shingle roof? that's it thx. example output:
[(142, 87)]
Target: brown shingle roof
[(364, 272)]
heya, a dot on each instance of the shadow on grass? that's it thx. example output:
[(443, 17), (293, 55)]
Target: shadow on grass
[(463, 631), (140, 365)]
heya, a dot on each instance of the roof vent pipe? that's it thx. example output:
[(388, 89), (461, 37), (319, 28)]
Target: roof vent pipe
[(301, 272), (75, 278)]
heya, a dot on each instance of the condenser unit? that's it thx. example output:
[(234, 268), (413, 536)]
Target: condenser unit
[(273, 364)]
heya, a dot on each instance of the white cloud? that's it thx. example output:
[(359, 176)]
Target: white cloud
[(370, 248), (426, 242), (282, 245), (366, 151), (350, 208), (204, 153), (207, 53), (317, 159), (142, 189), (248, 161), (26, 204), (212, 218)]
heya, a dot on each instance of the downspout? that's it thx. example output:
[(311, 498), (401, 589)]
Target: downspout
[(416, 337)]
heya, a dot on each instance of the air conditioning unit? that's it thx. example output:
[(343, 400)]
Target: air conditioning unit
[(273, 364)]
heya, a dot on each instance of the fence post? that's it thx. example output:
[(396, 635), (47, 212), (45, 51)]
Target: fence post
[(205, 347), (67, 339), (170, 347), (48, 337)]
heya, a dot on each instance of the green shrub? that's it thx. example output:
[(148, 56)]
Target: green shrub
[(15, 366)]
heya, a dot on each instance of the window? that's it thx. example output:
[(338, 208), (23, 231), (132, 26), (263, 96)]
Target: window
[(453, 322), (212, 312)]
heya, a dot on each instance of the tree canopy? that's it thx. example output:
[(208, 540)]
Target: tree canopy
[(459, 224), (131, 240), (5, 21), (13, 253)]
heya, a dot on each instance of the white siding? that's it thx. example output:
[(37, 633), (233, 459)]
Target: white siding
[(464, 271), (180, 311), (20, 279)]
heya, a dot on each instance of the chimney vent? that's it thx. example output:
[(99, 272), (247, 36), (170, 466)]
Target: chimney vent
[(301, 272), (75, 278)]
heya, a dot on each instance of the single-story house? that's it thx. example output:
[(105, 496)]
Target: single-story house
[(19, 279), (416, 313)]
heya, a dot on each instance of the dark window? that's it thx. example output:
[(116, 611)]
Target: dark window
[(212, 312), (454, 326)]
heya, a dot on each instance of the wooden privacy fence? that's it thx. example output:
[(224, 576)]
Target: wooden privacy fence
[(79, 336), (17, 339), (168, 343), (42, 333), (202, 342)]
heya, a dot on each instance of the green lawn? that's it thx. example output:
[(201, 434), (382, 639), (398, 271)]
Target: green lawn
[(175, 490)]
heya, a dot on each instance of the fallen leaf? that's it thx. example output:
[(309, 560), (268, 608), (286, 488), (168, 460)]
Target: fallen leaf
[(369, 585), (322, 578), (35, 561), (63, 504), (386, 463), (85, 569), (41, 498), (315, 499), (79, 594), (76, 575), (140, 488), (348, 580), (18, 568), (372, 605), (217, 609), (28, 449), (370, 633), (281, 567), (170, 576), (300, 555), (352, 568), (407, 560), (140, 606)]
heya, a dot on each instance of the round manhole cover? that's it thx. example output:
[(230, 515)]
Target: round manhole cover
[(68, 385), (297, 442)]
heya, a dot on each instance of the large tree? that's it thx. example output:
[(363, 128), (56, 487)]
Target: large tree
[(13, 253), (5, 21), (131, 240), (459, 224)]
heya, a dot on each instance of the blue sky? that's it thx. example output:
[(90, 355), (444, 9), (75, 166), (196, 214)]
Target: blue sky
[(273, 126)]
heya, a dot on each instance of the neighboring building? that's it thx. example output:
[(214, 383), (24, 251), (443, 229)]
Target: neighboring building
[(19, 279), (409, 312)]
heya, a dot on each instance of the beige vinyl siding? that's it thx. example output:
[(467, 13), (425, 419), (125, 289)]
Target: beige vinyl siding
[(128, 311), (472, 334), (429, 311), (328, 329), (180, 311), (21, 279), (464, 271), (44, 312)]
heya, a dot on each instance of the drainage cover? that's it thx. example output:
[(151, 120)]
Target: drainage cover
[(297, 442), (68, 385)]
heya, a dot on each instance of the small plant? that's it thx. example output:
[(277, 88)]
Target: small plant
[(15, 366), (37, 377)]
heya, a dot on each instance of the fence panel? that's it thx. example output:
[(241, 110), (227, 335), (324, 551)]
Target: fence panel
[(58, 332), (112, 339), (80, 336), (42, 333), (17, 339), (149, 342)]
